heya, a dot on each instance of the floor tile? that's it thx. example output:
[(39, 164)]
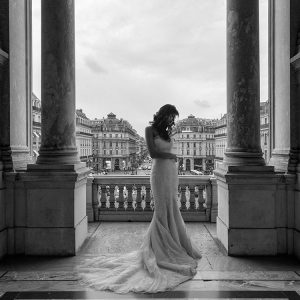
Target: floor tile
[(38, 275), (247, 276), (165, 295)]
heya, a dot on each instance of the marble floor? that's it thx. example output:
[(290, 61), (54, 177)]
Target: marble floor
[(218, 277)]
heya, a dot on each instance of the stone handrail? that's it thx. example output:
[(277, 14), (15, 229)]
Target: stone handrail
[(129, 198)]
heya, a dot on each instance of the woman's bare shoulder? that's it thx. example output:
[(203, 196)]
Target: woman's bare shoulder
[(151, 130)]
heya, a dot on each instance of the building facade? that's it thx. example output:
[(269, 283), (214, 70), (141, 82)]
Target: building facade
[(264, 130), (114, 144), (195, 144), (220, 139), (36, 126), (84, 137), (221, 134)]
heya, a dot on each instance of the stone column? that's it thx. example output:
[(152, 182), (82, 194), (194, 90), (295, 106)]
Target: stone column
[(243, 125), (56, 185), (246, 222), (15, 84), (58, 145)]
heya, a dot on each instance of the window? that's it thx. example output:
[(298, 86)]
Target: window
[(194, 152), (188, 144), (266, 141), (187, 152), (194, 145), (187, 136)]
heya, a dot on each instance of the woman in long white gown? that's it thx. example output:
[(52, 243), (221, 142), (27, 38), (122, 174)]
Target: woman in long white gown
[(167, 256)]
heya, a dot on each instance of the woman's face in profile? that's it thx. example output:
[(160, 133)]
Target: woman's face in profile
[(171, 120)]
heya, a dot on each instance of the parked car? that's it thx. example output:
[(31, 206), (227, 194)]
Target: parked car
[(195, 172)]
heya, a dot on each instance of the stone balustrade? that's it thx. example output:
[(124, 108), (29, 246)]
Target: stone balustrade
[(129, 198)]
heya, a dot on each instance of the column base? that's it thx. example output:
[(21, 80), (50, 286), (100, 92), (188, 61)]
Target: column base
[(15, 158), (236, 158), (246, 222), (51, 156), (280, 160), (56, 222)]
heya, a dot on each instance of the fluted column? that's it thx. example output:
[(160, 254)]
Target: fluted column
[(58, 145), (243, 135)]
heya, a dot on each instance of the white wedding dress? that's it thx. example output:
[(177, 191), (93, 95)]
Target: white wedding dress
[(166, 257)]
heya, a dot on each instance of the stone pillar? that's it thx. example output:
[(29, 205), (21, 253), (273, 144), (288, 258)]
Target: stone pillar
[(294, 163), (243, 119), (15, 80), (246, 222), (56, 185), (58, 145)]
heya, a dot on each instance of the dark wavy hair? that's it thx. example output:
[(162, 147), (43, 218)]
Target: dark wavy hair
[(162, 123)]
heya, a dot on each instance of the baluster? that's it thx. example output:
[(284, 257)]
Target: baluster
[(107, 197), (134, 197), (187, 197), (99, 195), (203, 200), (152, 206), (143, 197), (179, 196), (116, 196), (196, 194), (125, 195)]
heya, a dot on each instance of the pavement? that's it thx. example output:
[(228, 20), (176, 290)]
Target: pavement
[(219, 276)]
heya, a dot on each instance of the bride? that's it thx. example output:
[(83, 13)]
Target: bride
[(167, 256)]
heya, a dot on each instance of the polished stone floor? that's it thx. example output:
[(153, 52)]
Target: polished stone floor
[(218, 277)]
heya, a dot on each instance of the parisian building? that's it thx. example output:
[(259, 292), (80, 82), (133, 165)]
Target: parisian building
[(115, 145), (220, 139), (264, 130), (84, 137), (195, 144), (36, 126), (221, 134)]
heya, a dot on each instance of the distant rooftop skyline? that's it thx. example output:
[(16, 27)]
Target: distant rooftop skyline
[(134, 56)]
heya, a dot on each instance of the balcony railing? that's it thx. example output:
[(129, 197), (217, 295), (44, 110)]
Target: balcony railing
[(129, 198)]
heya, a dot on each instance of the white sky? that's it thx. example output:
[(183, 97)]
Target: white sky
[(134, 56)]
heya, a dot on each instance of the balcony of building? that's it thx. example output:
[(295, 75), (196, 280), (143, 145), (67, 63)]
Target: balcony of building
[(45, 206)]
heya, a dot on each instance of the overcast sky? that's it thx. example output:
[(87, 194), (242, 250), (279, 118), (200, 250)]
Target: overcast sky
[(134, 56)]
